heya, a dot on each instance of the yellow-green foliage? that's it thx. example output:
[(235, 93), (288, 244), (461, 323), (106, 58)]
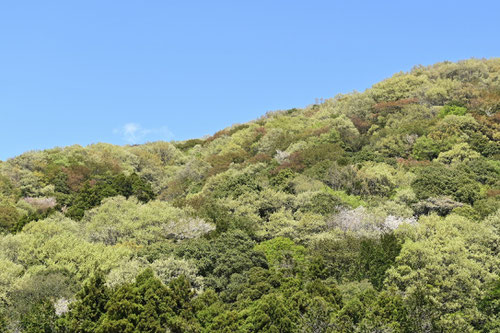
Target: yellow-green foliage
[(442, 267), (119, 220), (392, 193)]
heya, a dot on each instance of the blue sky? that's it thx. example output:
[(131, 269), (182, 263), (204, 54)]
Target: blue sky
[(80, 72)]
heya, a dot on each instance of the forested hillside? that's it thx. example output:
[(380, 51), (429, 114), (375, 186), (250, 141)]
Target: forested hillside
[(369, 212)]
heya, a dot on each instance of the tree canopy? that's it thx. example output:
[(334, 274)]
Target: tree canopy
[(374, 211)]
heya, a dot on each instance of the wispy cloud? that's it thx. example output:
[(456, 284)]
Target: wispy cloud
[(133, 133)]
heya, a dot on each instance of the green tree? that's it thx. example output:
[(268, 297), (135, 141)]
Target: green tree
[(442, 269), (86, 312), (490, 306), (9, 217), (40, 319), (426, 148), (376, 256), (438, 180), (218, 259), (283, 253), (452, 110), (149, 306)]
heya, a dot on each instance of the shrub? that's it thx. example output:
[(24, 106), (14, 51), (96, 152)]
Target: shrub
[(452, 110), (438, 180), (8, 217)]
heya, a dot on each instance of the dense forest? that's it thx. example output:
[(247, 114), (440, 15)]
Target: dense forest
[(368, 212)]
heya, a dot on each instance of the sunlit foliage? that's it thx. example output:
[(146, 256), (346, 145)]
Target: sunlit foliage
[(374, 211)]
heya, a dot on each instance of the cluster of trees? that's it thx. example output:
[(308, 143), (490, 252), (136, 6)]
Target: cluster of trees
[(370, 212)]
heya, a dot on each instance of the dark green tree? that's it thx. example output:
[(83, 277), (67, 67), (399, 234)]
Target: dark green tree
[(86, 312)]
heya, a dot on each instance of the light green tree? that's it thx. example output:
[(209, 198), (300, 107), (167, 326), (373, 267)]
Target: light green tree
[(442, 269)]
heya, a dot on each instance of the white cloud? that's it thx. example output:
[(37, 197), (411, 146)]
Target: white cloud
[(134, 133)]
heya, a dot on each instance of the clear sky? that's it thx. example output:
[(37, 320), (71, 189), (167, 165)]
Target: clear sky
[(133, 71)]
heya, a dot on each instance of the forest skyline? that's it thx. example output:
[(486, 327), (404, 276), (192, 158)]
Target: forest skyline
[(90, 71)]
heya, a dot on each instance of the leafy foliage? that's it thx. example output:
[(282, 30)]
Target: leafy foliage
[(369, 212)]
